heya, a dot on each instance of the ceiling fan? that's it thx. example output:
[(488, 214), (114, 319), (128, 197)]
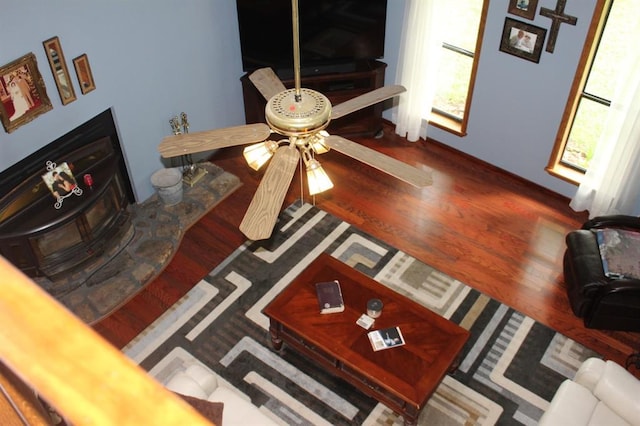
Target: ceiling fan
[(300, 116)]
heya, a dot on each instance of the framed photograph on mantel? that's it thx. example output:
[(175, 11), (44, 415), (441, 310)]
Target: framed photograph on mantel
[(83, 71), (523, 8), (522, 40), (23, 95), (59, 70)]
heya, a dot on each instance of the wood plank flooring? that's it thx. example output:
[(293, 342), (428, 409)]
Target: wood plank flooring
[(482, 226)]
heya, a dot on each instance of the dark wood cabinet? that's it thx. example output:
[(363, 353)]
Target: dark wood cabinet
[(338, 87)]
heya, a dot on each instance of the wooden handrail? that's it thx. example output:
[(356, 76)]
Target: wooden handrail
[(74, 369)]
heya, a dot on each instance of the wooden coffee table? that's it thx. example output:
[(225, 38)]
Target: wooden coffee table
[(403, 378)]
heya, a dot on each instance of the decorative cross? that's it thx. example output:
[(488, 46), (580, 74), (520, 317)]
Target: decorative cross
[(558, 17)]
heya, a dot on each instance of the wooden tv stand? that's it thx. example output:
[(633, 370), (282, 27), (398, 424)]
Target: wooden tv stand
[(338, 87)]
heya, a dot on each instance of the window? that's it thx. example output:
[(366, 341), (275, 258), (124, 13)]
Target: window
[(593, 88), (464, 26)]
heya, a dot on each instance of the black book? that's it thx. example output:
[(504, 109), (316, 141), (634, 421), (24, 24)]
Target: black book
[(329, 297)]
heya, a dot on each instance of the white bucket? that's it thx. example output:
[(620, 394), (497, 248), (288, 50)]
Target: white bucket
[(168, 183)]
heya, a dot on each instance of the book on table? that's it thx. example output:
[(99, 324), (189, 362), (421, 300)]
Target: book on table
[(329, 297), (386, 338)]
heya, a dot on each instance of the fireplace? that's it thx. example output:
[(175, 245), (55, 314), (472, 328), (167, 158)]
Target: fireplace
[(49, 236)]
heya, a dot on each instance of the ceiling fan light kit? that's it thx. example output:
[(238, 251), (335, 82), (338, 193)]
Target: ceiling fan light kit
[(317, 179), (317, 142), (301, 115), (258, 154)]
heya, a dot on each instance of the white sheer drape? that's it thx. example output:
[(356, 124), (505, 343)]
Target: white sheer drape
[(421, 46), (612, 182)]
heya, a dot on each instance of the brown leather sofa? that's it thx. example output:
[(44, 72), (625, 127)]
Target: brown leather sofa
[(609, 303)]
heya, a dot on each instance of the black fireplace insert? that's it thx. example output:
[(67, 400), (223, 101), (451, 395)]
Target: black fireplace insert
[(48, 235)]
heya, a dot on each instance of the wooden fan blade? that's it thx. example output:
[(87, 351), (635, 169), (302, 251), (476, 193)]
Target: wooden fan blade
[(262, 214), (189, 143), (382, 162), (267, 82), (363, 101)]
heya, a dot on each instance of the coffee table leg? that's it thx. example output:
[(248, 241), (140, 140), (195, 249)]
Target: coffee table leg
[(276, 341), (455, 364), (409, 420), (410, 415)]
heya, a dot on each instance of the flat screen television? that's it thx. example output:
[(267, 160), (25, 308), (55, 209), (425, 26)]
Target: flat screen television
[(335, 35)]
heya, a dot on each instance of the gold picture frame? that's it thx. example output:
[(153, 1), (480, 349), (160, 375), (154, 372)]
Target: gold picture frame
[(59, 70), (83, 71), (23, 96)]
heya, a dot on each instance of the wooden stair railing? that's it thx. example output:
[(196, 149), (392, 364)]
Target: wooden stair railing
[(87, 380)]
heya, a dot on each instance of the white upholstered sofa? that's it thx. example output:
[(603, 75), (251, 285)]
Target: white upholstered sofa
[(182, 373), (601, 393)]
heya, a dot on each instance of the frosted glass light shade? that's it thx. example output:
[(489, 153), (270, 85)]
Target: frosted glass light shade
[(317, 178), (258, 154), (317, 142)]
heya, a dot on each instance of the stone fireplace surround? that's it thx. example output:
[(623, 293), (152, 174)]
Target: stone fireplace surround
[(137, 247)]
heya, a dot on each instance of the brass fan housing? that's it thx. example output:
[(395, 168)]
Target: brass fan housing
[(292, 117)]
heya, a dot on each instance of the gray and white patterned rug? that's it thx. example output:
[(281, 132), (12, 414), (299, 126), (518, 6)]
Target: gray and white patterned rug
[(510, 369)]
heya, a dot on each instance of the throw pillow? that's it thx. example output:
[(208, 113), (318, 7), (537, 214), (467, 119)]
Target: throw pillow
[(620, 252), (212, 411)]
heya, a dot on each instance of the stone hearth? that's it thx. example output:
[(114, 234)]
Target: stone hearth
[(142, 251)]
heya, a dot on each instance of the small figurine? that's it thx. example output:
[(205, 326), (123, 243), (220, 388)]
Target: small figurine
[(175, 125), (185, 123)]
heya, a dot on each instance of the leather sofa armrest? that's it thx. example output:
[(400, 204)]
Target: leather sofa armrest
[(615, 306), (590, 373), (619, 390), (583, 255), (206, 379), (184, 384), (572, 404), (626, 285), (613, 221), (620, 292)]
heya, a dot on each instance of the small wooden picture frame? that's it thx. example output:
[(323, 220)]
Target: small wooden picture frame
[(59, 70), (61, 182), (522, 40), (523, 8), (23, 96), (83, 71)]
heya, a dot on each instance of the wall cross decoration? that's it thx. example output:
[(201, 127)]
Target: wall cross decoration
[(557, 17)]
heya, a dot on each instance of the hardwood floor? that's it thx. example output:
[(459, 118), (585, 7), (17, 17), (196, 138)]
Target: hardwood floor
[(486, 228)]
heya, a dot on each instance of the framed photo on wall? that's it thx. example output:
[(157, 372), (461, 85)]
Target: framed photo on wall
[(23, 95), (523, 8), (522, 40), (83, 71), (59, 70)]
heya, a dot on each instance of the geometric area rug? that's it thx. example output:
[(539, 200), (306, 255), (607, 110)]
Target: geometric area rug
[(510, 367)]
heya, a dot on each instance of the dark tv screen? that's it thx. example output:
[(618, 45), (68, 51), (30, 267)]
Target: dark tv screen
[(332, 33)]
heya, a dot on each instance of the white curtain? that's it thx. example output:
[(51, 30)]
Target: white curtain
[(420, 49), (612, 182)]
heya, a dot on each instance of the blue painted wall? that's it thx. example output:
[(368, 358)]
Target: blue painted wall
[(153, 59), (517, 104), (150, 60)]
